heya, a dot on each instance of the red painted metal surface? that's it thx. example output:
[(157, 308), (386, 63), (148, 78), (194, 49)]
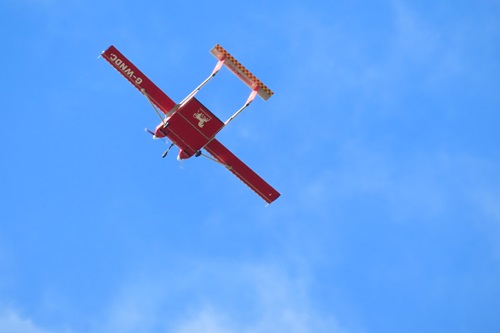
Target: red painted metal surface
[(242, 171), (138, 79), (191, 126)]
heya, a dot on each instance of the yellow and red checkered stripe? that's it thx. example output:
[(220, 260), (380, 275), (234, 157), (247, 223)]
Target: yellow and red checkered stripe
[(239, 70)]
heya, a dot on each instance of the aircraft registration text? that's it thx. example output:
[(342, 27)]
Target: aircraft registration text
[(122, 66)]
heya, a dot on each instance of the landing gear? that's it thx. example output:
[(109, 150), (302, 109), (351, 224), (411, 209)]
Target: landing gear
[(198, 153)]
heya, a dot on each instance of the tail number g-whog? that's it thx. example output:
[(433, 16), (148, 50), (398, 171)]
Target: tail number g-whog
[(124, 68)]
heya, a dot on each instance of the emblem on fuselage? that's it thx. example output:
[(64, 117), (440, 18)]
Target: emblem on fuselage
[(202, 117)]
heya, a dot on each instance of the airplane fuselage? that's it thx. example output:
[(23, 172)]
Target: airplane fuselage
[(190, 127)]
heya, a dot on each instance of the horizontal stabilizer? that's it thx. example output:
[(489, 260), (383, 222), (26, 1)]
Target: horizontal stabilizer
[(241, 72), (242, 171)]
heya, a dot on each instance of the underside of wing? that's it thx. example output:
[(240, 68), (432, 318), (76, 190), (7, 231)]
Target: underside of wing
[(242, 171), (138, 79)]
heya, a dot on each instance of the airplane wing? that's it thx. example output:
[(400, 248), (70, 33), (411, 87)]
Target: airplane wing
[(242, 171), (138, 79)]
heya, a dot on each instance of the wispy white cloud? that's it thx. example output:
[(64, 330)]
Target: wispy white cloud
[(412, 67), (12, 322), (274, 302), (427, 184), (206, 320), (282, 304), (331, 56)]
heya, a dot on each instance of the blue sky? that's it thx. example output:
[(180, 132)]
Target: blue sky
[(382, 137)]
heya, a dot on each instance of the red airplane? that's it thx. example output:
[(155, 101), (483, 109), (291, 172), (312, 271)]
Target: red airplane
[(190, 125)]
